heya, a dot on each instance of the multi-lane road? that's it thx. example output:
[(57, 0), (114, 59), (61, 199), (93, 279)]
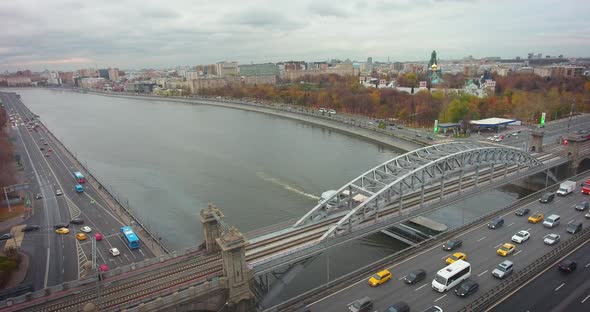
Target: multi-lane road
[(57, 258), (479, 244)]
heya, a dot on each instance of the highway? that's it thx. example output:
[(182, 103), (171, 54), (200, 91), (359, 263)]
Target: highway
[(554, 290), (480, 245), (58, 258)]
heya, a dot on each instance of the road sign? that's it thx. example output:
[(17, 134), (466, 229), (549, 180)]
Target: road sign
[(16, 187), (543, 119), (436, 126)]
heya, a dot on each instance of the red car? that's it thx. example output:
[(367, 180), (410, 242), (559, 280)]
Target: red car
[(103, 268), (97, 236)]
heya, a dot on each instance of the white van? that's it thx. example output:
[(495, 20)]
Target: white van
[(451, 275), (551, 221)]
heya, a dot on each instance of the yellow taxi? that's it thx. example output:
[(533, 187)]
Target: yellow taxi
[(506, 249), (456, 256), (81, 236), (380, 278), (536, 218), (62, 231)]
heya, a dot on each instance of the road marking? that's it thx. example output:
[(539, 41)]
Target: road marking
[(401, 278), (497, 245), (516, 253), (587, 265), (482, 273), (420, 287), (558, 287), (445, 257), (572, 220), (437, 299), (529, 229), (511, 224), (479, 240), (585, 299)]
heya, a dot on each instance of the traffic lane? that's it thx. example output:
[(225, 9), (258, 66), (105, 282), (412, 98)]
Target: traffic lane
[(554, 289), (422, 296)]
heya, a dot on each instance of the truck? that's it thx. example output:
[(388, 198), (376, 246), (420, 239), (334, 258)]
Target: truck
[(586, 187), (566, 188)]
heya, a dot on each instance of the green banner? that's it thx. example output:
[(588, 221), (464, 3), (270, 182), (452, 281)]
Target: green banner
[(436, 126), (543, 119)]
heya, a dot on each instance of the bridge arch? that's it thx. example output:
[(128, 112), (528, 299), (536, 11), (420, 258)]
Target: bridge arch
[(362, 198)]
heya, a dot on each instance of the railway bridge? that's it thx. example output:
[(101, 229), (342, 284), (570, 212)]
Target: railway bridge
[(227, 272)]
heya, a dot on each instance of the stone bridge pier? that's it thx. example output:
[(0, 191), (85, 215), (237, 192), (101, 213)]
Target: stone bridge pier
[(575, 152)]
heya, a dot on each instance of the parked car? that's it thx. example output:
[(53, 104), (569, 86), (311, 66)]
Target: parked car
[(582, 206), (522, 212), (467, 288), (452, 244), (547, 198), (551, 239), (567, 265), (30, 228), (364, 304), (503, 269), (5, 236), (415, 276)]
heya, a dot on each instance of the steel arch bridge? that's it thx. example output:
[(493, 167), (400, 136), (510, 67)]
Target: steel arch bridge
[(364, 197)]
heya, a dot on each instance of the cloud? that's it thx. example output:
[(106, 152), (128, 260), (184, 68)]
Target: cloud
[(76, 60), (328, 9), (263, 18)]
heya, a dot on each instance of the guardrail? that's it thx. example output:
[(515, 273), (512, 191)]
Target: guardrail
[(517, 279), (339, 283)]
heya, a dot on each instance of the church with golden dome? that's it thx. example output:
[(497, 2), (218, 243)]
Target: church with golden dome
[(434, 72)]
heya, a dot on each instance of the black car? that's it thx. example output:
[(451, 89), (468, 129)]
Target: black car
[(77, 221), (522, 212), (496, 223), (467, 288), (5, 236), (38, 196), (415, 276), (452, 244), (30, 228), (398, 307), (547, 198), (361, 305), (567, 265), (61, 225), (582, 206)]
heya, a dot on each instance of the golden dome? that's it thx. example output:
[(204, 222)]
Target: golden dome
[(434, 67)]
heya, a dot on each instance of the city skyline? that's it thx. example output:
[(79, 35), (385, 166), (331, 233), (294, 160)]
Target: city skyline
[(65, 34)]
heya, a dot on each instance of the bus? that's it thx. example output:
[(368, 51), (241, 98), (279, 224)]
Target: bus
[(130, 238), (586, 187), (79, 177), (451, 275)]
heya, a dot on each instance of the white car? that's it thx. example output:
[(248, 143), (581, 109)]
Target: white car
[(551, 239), (114, 251), (86, 229), (521, 237), (58, 192)]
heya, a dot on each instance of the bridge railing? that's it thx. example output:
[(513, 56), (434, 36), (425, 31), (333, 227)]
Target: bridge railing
[(341, 282), (302, 252), (519, 278)]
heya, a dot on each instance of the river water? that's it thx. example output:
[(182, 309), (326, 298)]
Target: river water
[(168, 160)]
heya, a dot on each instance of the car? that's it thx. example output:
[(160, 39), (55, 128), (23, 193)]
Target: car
[(456, 256), (5, 236), (79, 188), (61, 225), (506, 249), (521, 237), (98, 236), (574, 227), (587, 216), (379, 278), (42, 148), (452, 244), (522, 212), (582, 206), (38, 196), (103, 268), (30, 228), (415, 276), (86, 229), (398, 307), (503, 269), (81, 236), (62, 231), (114, 251), (496, 223), (551, 239), (434, 309), (466, 288), (49, 150), (44, 143), (536, 218), (364, 304), (58, 193), (430, 138), (547, 198), (77, 221), (567, 265), (47, 154)]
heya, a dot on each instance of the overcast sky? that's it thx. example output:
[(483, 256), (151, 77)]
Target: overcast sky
[(70, 34)]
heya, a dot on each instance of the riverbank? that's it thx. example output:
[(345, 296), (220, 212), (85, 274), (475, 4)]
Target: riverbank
[(378, 136)]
